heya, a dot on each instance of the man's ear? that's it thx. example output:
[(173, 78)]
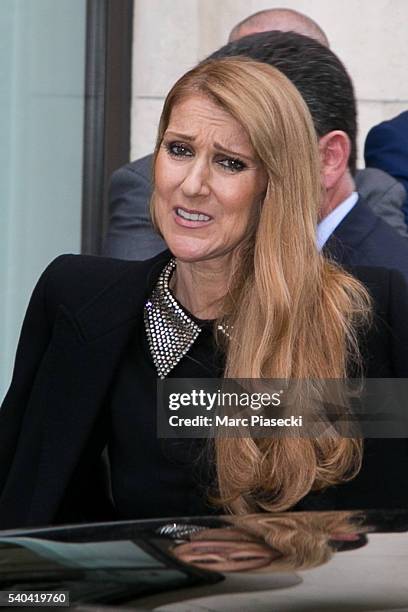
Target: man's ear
[(334, 150)]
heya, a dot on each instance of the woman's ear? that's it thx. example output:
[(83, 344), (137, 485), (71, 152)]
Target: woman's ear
[(334, 150)]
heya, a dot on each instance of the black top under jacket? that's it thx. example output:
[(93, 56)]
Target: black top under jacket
[(171, 476), (58, 416)]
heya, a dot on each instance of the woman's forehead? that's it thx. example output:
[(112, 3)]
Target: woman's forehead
[(199, 106), (198, 114)]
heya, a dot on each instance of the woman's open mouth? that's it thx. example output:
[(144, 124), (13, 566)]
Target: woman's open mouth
[(191, 218)]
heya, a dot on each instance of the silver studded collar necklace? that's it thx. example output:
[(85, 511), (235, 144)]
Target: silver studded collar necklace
[(170, 330)]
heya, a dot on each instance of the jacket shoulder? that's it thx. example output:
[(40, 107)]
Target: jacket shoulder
[(393, 125), (74, 280), (142, 168)]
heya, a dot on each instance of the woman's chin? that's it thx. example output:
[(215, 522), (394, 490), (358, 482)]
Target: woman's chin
[(189, 250)]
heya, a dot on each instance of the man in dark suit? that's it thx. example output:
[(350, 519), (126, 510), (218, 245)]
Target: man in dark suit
[(386, 148), (130, 234)]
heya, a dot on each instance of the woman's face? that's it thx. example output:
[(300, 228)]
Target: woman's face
[(226, 556), (208, 182), (226, 550)]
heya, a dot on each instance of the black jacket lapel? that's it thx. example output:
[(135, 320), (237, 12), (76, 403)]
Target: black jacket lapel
[(346, 240)]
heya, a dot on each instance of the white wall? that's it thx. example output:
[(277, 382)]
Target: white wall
[(170, 36)]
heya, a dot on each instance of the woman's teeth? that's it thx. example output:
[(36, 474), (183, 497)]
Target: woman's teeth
[(192, 216)]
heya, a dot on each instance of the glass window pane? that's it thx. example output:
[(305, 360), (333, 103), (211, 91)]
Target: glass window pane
[(42, 67)]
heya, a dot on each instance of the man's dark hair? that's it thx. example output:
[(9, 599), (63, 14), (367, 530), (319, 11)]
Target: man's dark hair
[(317, 73)]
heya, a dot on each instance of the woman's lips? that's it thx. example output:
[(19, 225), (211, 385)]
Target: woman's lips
[(191, 218)]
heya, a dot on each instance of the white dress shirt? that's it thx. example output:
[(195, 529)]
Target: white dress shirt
[(327, 226)]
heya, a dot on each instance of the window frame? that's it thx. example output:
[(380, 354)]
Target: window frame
[(108, 67)]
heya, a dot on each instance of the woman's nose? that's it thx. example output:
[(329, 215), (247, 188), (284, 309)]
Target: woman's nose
[(196, 180)]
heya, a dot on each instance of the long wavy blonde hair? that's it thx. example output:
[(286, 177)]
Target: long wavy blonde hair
[(293, 313)]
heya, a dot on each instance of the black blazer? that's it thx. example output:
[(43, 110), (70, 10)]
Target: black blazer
[(54, 420)]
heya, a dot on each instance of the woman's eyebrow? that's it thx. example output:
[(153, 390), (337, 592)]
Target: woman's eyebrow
[(186, 137), (223, 149)]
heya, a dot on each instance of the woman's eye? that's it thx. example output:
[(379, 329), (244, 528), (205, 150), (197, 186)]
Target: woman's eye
[(238, 557), (233, 165), (177, 149)]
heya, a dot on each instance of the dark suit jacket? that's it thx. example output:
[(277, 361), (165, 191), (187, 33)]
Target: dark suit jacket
[(384, 196), (55, 418), (363, 239), (386, 148), (131, 235)]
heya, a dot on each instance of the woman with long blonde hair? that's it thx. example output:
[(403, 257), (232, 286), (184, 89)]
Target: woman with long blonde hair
[(243, 292), (278, 295)]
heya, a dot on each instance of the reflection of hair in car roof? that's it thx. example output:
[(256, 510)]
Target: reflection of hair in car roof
[(275, 543)]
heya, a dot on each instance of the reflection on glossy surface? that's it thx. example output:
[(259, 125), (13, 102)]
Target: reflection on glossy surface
[(230, 553), (257, 562), (279, 542)]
